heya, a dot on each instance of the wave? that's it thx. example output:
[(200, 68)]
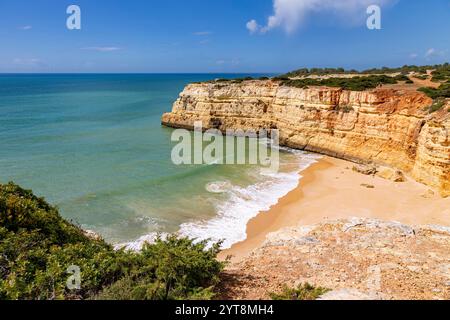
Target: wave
[(218, 186), (137, 244), (241, 204), (244, 203)]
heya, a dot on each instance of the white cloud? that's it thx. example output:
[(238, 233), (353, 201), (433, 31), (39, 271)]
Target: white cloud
[(290, 14), (430, 52), (29, 62), (413, 55), (233, 62), (25, 27), (203, 33), (101, 49), (253, 26)]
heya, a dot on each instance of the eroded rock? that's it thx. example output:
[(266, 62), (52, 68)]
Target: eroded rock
[(385, 127), (356, 258)]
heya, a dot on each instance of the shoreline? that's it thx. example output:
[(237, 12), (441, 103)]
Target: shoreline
[(330, 189)]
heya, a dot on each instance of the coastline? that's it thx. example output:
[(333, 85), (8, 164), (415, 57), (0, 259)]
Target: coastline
[(330, 189)]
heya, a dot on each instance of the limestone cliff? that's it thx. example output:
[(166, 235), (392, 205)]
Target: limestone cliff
[(384, 126)]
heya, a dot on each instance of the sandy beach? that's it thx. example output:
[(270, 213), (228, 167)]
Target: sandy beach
[(330, 189)]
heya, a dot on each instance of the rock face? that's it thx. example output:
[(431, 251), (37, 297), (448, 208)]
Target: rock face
[(382, 127), (355, 258)]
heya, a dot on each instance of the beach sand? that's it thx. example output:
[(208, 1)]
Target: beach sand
[(330, 189)]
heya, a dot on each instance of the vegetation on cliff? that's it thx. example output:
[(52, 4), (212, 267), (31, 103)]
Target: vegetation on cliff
[(443, 91), (301, 292), (439, 74), (354, 83), (406, 69), (439, 94), (37, 246)]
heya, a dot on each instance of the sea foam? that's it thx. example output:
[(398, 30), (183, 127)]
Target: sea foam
[(244, 203)]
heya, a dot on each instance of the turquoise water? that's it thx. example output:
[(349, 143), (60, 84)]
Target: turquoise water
[(93, 145)]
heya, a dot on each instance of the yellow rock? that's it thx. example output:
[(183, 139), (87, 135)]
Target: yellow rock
[(391, 174), (382, 126)]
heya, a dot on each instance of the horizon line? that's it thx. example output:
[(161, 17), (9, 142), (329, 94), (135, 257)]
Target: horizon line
[(143, 73)]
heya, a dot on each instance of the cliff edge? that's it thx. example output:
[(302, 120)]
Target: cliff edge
[(359, 259), (384, 126)]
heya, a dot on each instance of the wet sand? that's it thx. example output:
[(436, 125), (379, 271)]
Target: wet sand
[(330, 189)]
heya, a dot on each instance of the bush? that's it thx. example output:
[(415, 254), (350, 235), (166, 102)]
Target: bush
[(441, 71), (354, 84), (302, 292), (37, 246), (443, 91), (174, 268), (317, 71), (281, 79), (401, 77), (422, 77), (436, 106)]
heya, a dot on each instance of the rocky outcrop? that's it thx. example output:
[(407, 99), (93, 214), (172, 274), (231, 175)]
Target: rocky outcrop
[(382, 127), (355, 258)]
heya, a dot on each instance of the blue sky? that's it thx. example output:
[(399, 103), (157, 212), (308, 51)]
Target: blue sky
[(216, 36)]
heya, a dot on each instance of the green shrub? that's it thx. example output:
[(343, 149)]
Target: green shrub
[(436, 106), (281, 78), (317, 71), (175, 268), (443, 91), (441, 71), (302, 292), (401, 77), (37, 246), (354, 83), (422, 77)]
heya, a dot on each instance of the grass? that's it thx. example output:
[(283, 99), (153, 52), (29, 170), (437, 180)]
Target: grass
[(302, 292)]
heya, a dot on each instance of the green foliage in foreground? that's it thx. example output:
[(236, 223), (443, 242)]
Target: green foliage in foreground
[(37, 246), (174, 268), (354, 84), (302, 292)]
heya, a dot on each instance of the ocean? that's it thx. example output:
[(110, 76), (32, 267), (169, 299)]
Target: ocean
[(92, 145)]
